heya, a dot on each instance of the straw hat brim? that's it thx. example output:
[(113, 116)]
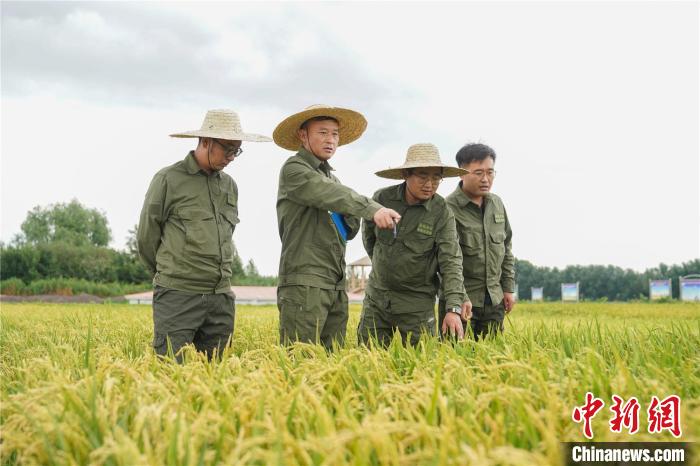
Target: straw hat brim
[(397, 173), (351, 125), (228, 135)]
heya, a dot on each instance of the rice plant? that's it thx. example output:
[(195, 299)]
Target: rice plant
[(80, 385)]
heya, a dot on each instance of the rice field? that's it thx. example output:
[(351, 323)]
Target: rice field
[(80, 385)]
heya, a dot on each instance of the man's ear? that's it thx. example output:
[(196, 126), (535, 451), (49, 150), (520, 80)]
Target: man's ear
[(303, 135)]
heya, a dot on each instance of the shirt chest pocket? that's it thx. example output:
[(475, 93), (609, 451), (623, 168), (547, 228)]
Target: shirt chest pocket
[(201, 232), (230, 217), (229, 214), (498, 236), (419, 246), (470, 241), (418, 261), (384, 236), (498, 243)]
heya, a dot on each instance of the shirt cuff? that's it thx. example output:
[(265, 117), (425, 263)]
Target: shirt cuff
[(508, 286), (369, 211), (455, 300)]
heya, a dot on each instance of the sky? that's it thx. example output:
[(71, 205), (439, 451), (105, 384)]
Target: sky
[(592, 109)]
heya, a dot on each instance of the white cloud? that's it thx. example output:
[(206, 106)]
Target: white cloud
[(592, 109)]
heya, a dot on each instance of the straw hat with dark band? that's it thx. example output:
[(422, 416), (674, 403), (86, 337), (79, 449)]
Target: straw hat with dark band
[(222, 124), (351, 125), (419, 156)]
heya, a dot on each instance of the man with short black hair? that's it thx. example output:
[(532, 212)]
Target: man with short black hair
[(317, 215), (184, 238), (485, 239)]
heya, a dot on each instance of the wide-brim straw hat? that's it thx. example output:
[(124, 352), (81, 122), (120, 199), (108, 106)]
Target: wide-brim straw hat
[(351, 125), (422, 155), (222, 124)]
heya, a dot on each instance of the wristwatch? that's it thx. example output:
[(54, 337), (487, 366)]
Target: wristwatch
[(456, 310)]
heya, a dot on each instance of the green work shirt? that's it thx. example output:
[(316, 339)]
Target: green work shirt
[(485, 239), (186, 227), (313, 252), (424, 252)]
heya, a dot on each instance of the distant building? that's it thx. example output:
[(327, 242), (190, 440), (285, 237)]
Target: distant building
[(357, 275)]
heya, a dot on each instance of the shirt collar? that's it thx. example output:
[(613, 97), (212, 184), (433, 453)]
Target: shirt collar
[(399, 194), (193, 168), (311, 159), (463, 200)]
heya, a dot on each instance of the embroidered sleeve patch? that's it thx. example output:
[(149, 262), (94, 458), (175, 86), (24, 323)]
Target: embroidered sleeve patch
[(499, 217)]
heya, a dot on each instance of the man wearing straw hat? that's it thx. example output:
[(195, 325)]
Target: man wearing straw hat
[(316, 216), (185, 239), (485, 239), (409, 262)]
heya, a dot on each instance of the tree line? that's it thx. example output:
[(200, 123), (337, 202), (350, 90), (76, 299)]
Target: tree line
[(599, 282), (69, 240)]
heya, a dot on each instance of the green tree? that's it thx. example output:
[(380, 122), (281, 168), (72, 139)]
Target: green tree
[(20, 261), (70, 223), (237, 265), (251, 270), (128, 265), (131, 244)]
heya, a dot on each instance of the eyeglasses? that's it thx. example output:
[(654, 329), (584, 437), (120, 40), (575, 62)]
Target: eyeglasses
[(481, 173), (423, 179), (229, 151)]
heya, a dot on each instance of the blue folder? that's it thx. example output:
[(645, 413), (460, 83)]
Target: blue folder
[(340, 225)]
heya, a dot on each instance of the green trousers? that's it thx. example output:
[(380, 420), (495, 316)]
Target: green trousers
[(384, 313), (485, 321), (181, 318), (312, 315)]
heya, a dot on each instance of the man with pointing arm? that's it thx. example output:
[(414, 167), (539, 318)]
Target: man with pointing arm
[(316, 216)]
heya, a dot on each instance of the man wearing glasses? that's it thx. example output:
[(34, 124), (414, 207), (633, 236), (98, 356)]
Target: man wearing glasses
[(185, 239), (409, 261), (485, 239)]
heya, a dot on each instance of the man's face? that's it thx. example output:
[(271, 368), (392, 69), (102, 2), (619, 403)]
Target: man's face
[(320, 138), (422, 183), (478, 182), (222, 152)]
